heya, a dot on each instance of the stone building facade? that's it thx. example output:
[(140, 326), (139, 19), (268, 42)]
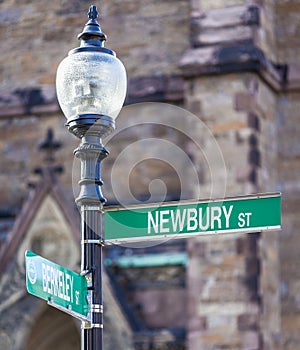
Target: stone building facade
[(231, 64)]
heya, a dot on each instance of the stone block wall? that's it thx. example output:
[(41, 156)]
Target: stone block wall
[(280, 30), (222, 285), (223, 300), (269, 163), (263, 113), (288, 174), (279, 125), (149, 37), (19, 156), (223, 109)]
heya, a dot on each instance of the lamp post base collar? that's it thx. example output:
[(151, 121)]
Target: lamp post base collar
[(99, 124)]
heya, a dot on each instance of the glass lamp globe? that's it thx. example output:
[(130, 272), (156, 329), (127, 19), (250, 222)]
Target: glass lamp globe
[(91, 82)]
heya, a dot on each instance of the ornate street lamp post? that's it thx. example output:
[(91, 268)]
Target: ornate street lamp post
[(91, 88)]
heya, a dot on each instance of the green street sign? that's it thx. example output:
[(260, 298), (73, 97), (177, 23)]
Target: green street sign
[(62, 288), (254, 213)]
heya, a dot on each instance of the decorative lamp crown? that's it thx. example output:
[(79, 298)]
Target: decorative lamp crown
[(92, 27)]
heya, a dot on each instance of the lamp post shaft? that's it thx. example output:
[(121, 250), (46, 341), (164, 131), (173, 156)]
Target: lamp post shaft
[(92, 334), (91, 89), (91, 153)]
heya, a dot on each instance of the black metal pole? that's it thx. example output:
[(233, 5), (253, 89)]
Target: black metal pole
[(83, 95), (91, 152)]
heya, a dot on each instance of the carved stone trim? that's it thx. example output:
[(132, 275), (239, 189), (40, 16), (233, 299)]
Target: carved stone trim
[(42, 100), (234, 58)]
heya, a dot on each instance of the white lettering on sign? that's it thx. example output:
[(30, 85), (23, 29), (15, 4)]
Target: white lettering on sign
[(177, 220), (164, 219), (203, 219), (152, 222), (57, 282), (244, 219), (216, 213), (192, 219), (227, 215)]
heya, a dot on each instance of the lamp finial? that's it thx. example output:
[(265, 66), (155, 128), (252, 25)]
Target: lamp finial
[(93, 12), (92, 29)]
